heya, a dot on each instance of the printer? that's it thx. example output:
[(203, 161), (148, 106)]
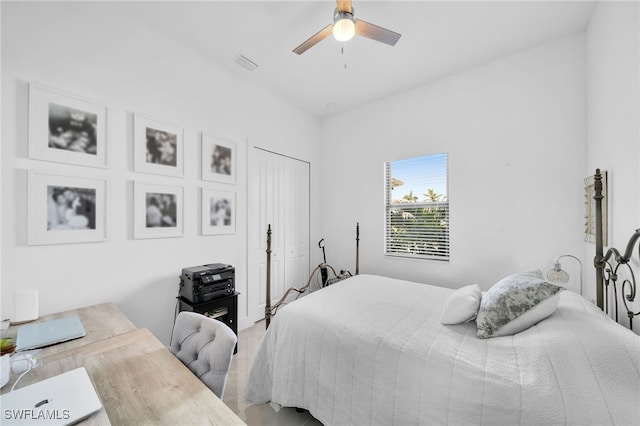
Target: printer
[(203, 283)]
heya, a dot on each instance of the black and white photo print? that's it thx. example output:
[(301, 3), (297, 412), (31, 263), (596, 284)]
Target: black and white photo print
[(70, 208), (161, 147), (161, 210), (72, 129)]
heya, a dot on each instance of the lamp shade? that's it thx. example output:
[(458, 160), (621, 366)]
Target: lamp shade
[(344, 27), (559, 276)]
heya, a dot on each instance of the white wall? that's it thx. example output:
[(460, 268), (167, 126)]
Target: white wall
[(613, 137), (95, 51), (515, 131)]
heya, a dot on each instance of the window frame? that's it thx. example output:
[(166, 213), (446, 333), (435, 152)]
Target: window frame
[(439, 237)]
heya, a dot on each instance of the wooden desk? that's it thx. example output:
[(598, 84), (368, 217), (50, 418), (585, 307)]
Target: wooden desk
[(138, 379), (139, 382), (99, 321)]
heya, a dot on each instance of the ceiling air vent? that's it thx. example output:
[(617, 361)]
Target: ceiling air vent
[(245, 62)]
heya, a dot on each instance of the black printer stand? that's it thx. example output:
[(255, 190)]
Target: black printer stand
[(223, 309)]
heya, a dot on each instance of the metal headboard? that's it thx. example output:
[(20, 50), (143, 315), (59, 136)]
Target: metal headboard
[(608, 266), (269, 308)]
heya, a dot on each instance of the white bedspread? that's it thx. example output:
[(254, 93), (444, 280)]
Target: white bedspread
[(371, 350)]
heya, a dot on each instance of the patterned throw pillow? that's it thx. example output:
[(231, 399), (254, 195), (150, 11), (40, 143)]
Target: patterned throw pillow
[(515, 303)]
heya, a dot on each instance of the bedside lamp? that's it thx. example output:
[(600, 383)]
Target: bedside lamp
[(557, 275)]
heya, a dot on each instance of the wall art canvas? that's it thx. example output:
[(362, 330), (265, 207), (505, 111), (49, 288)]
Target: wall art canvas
[(158, 147), (65, 209), (158, 211), (218, 160), (66, 129), (218, 212)]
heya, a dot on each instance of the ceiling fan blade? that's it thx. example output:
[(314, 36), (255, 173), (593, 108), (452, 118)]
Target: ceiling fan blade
[(376, 33), (314, 39)]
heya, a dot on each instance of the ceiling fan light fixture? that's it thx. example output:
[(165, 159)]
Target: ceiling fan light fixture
[(344, 27)]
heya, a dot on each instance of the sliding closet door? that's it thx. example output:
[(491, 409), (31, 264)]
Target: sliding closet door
[(278, 195)]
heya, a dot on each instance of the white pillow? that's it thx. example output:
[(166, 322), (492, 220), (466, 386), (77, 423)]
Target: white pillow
[(515, 303), (461, 305)]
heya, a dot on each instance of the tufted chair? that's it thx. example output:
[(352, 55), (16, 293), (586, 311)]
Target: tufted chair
[(205, 346)]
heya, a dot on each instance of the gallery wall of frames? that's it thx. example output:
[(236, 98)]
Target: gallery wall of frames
[(71, 206)]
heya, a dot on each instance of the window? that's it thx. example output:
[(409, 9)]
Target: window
[(417, 207)]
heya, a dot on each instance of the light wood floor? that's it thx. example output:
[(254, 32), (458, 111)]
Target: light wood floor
[(263, 414)]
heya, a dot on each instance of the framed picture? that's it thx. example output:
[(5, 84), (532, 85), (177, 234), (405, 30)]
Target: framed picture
[(65, 209), (218, 212), (590, 209), (158, 147), (66, 129), (157, 211), (218, 160)]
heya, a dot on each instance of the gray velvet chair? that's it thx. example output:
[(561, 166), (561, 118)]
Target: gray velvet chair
[(205, 346)]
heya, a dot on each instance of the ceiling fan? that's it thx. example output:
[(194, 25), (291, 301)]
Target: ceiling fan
[(345, 26)]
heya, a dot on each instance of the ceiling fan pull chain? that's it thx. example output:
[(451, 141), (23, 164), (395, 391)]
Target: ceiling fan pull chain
[(342, 51)]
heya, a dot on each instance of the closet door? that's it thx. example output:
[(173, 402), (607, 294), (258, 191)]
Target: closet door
[(278, 195), (296, 248)]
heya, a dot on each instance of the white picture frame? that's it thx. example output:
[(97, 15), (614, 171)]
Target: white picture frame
[(158, 147), (218, 160), (65, 209), (157, 211), (218, 212), (65, 128)]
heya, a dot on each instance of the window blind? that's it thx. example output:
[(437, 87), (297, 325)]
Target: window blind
[(417, 207)]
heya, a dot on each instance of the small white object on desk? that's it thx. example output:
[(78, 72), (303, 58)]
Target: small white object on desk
[(5, 369), (23, 361), (4, 327), (25, 305)]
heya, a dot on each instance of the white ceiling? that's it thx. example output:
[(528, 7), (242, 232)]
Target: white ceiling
[(438, 38)]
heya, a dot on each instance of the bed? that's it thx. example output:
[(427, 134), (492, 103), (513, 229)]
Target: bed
[(357, 353)]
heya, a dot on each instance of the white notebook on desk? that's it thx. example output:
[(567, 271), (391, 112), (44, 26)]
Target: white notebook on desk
[(40, 334), (64, 399)]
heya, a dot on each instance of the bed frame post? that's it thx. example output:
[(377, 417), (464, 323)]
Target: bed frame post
[(267, 306), (269, 309), (357, 248), (599, 258)]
